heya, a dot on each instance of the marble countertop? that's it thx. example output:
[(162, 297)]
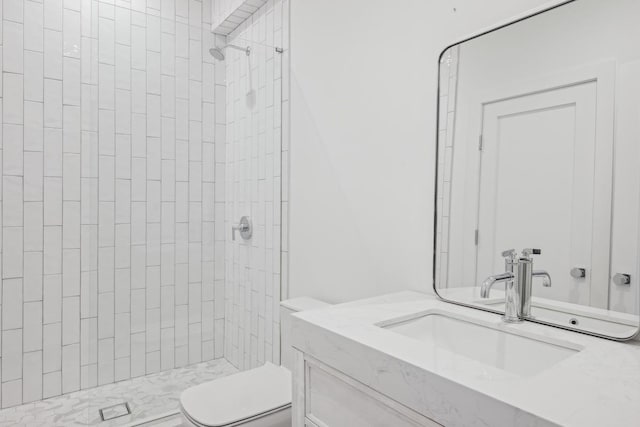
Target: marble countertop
[(597, 386)]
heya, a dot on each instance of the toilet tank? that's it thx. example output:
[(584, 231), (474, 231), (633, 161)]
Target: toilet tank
[(287, 308)]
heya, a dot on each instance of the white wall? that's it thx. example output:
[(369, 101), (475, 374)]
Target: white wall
[(363, 117)]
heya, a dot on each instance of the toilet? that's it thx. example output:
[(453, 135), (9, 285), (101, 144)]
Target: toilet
[(260, 397)]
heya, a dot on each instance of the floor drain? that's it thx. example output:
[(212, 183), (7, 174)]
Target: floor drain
[(115, 411)]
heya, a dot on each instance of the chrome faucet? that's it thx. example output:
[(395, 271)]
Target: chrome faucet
[(518, 279), (510, 263)]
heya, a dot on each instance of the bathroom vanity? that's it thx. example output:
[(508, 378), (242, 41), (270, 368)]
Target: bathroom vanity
[(410, 359), (536, 296)]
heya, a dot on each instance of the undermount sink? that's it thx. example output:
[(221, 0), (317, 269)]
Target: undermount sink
[(486, 344)]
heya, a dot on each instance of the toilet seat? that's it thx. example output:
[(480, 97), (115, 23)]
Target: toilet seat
[(277, 417), (239, 398)]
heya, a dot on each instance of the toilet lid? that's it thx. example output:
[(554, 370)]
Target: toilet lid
[(239, 396)]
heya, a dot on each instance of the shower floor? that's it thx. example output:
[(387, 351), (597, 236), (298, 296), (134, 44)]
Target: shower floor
[(149, 397)]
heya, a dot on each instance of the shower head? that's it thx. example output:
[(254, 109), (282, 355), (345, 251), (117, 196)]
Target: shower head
[(218, 52)]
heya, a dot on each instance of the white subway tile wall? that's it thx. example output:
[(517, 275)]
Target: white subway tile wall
[(446, 131), (112, 192), (256, 118)]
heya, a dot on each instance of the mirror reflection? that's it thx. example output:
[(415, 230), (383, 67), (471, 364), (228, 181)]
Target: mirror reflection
[(539, 168)]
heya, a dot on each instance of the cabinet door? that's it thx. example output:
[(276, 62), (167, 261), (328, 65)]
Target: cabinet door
[(334, 400)]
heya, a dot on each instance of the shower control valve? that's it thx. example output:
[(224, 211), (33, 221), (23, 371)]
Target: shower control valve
[(244, 227)]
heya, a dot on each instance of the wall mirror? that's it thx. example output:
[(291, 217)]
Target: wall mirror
[(539, 147)]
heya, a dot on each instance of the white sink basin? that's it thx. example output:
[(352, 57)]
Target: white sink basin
[(484, 343)]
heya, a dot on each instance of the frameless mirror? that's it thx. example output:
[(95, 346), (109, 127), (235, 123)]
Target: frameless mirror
[(539, 147)]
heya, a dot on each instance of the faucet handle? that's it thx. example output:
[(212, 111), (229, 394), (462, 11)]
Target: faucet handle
[(528, 252), (510, 253)]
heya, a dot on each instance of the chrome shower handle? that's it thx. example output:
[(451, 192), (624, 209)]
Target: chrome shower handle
[(244, 227)]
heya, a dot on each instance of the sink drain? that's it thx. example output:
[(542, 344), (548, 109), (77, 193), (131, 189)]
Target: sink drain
[(115, 411), (573, 321)]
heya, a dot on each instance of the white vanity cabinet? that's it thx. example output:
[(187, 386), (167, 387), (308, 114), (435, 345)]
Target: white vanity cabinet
[(409, 359), (325, 397)]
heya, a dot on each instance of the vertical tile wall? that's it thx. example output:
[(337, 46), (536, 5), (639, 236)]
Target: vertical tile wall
[(109, 238), (256, 177), (446, 133)]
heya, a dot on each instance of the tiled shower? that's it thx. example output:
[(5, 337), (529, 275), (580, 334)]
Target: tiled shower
[(127, 154), (257, 170)]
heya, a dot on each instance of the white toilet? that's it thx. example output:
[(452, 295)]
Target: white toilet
[(260, 397)]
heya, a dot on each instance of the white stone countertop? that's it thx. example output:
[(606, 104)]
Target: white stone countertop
[(597, 386)]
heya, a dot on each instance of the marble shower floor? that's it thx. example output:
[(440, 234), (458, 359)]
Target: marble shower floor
[(148, 396)]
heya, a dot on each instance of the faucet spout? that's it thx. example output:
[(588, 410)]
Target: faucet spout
[(488, 283), (518, 278), (546, 277)]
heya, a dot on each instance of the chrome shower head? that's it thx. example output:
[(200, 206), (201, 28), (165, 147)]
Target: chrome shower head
[(217, 53)]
